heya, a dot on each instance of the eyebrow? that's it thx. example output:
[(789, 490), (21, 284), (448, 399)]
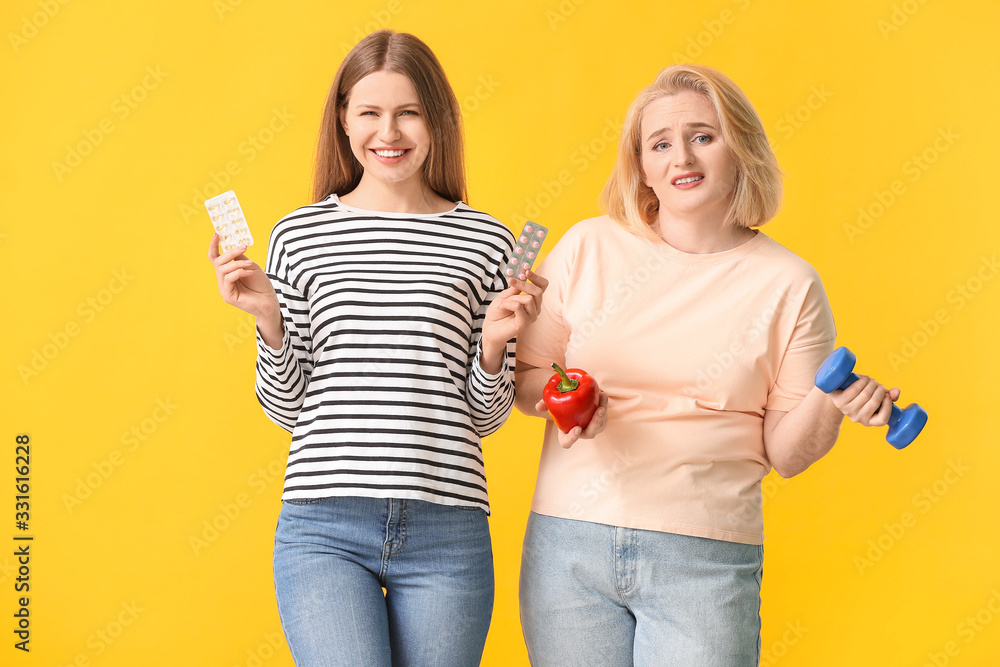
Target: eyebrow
[(664, 130), (406, 105)]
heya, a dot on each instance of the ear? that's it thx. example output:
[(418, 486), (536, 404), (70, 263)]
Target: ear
[(342, 118)]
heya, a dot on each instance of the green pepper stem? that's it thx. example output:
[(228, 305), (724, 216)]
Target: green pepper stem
[(567, 384)]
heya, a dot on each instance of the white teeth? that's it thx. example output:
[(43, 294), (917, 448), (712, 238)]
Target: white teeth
[(689, 179), (389, 153)]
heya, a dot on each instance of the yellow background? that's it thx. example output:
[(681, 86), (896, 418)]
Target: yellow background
[(873, 556)]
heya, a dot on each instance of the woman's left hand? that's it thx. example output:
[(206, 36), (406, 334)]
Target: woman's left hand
[(513, 310), (596, 426)]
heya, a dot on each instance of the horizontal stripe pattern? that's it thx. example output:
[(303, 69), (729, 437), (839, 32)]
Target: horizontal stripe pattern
[(378, 375)]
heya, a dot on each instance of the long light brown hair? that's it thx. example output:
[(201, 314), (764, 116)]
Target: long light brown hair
[(757, 195), (338, 171)]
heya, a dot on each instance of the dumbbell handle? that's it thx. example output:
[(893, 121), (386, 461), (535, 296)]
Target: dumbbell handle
[(852, 377)]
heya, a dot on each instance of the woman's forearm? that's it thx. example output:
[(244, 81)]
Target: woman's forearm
[(796, 439), (492, 357), (271, 327), (529, 382)]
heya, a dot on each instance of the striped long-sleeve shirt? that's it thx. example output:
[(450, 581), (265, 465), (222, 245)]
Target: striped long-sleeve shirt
[(378, 375)]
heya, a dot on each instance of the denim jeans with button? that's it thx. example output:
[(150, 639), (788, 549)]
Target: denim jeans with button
[(601, 595), (334, 556)]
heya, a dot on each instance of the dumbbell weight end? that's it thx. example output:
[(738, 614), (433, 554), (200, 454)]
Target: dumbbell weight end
[(837, 372)]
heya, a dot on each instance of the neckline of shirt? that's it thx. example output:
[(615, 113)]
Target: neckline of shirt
[(391, 214), (745, 248)]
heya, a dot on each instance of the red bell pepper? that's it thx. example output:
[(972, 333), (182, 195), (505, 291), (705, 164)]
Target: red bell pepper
[(571, 397)]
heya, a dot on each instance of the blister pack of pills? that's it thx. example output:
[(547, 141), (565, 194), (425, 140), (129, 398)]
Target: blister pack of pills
[(529, 241), (229, 221)]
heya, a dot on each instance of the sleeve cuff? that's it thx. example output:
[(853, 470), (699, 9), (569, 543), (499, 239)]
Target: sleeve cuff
[(488, 379), (264, 348)]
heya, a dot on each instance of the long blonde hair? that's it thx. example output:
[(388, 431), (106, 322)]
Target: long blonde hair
[(338, 171), (757, 195)]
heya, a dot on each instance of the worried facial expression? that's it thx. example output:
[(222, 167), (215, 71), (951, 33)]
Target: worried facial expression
[(386, 126), (685, 159)]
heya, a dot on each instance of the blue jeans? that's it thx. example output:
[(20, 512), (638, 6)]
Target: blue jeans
[(333, 557), (593, 594)]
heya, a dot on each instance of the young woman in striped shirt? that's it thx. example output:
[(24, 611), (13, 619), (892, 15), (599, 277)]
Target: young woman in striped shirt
[(385, 332)]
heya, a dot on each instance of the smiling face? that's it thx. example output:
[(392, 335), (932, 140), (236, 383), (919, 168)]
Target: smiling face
[(386, 127), (685, 159)]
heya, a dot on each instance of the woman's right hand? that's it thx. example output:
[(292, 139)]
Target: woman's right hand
[(242, 283), (866, 401), (597, 424)]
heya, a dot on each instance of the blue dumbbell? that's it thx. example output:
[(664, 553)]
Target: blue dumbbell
[(837, 372)]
